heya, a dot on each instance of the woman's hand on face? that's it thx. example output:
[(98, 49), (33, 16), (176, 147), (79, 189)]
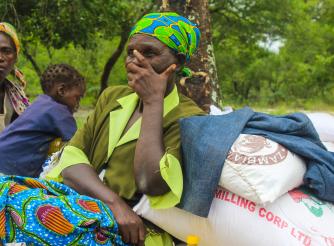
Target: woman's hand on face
[(148, 84), (131, 227)]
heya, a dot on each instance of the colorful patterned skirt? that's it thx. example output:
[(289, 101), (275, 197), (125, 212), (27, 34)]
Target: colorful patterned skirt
[(40, 212)]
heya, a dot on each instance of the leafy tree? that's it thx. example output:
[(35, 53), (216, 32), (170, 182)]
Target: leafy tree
[(59, 23), (250, 72), (126, 17), (91, 35), (54, 24)]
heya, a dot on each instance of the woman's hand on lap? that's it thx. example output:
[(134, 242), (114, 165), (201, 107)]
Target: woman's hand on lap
[(131, 227)]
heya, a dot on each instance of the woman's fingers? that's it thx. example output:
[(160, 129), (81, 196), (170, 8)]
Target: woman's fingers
[(133, 82), (135, 233), (142, 60), (130, 76), (131, 227), (142, 235), (134, 73), (132, 232), (143, 79), (169, 71), (124, 233), (134, 236), (134, 68)]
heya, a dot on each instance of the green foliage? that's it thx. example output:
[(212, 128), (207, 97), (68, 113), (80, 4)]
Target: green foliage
[(85, 34), (251, 73), (81, 33), (89, 62), (59, 23)]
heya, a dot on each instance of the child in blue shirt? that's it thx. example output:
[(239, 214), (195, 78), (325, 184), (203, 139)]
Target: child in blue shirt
[(24, 143)]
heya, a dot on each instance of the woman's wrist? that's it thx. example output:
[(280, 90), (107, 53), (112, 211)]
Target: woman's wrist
[(112, 199), (115, 203), (153, 100)]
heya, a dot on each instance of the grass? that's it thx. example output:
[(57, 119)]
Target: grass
[(312, 105), (81, 115)]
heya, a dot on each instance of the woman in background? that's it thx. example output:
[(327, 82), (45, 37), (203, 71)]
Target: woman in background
[(13, 100)]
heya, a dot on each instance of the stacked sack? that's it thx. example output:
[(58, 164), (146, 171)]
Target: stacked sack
[(256, 202), (261, 170), (324, 124), (296, 218)]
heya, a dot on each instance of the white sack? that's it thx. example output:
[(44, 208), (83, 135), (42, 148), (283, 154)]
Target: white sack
[(324, 124), (329, 146), (260, 169), (296, 218)]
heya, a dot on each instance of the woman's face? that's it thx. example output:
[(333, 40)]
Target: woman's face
[(7, 55), (157, 53)]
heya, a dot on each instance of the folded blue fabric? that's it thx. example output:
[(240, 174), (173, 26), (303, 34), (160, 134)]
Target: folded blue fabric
[(206, 141)]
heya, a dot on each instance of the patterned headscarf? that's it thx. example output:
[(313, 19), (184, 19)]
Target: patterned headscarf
[(15, 88), (11, 32), (177, 32)]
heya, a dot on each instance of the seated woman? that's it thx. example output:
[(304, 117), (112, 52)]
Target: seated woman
[(133, 133), (13, 100), (24, 144)]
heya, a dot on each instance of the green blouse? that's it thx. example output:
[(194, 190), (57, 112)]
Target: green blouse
[(99, 143)]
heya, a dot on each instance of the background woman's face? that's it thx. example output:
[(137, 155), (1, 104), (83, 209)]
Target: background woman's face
[(7, 55), (157, 53)]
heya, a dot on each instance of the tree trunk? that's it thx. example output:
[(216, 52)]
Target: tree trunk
[(32, 61), (113, 59), (203, 87)]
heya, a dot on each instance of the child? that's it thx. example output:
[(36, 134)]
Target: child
[(24, 144)]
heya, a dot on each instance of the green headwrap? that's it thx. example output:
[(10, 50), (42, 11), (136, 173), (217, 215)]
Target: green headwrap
[(11, 32), (177, 32)]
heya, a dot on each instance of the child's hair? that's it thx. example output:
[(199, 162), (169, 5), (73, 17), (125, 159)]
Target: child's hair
[(60, 73)]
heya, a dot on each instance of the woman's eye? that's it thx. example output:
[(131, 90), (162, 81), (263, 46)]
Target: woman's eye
[(130, 52), (148, 53), (7, 51)]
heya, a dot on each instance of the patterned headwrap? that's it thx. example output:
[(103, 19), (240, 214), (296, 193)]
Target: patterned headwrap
[(177, 32), (11, 32), (15, 88)]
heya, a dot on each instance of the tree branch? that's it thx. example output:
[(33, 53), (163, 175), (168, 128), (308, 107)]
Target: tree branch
[(113, 59), (32, 60)]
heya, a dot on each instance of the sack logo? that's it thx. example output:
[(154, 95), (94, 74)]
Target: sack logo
[(245, 148), (314, 205)]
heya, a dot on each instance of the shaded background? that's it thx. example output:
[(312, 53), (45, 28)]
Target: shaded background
[(274, 55)]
